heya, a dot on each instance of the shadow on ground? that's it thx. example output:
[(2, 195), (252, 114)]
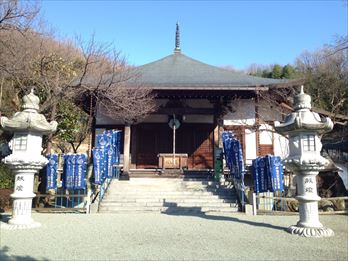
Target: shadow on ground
[(7, 257), (175, 210), (5, 218)]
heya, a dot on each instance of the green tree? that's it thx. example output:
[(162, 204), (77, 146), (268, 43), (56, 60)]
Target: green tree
[(73, 126), (266, 74), (277, 72), (288, 72)]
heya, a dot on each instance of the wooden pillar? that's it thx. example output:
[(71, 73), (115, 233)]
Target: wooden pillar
[(218, 123), (133, 149), (91, 142), (257, 125), (126, 151)]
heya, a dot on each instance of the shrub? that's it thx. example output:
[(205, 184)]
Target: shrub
[(6, 177)]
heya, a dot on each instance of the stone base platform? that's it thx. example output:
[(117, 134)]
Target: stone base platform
[(311, 231), (7, 226)]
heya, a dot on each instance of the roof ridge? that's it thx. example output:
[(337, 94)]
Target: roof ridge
[(154, 61), (179, 69), (209, 65), (214, 66)]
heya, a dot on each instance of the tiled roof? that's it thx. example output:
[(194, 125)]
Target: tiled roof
[(178, 71)]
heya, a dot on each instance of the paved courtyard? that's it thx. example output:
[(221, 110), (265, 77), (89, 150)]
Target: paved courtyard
[(171, 237)]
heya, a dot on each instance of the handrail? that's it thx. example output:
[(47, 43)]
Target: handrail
[(103, 187), (285, 199)]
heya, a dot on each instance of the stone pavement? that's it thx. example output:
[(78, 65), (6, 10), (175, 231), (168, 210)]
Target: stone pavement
[(154, 236)]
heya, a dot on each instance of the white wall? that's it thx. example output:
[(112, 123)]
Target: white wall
[(281, 146), (266, 136), (269, 112), (244, 114), (250, 146)]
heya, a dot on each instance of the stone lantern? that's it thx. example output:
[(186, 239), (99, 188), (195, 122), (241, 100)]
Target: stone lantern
[(28, 127), (304, 129)]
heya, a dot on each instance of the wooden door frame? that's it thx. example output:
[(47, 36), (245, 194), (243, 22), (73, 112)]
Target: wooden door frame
[(136, 139)]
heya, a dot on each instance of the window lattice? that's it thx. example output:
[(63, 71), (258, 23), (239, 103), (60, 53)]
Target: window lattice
[(309, 142), (20, 143)]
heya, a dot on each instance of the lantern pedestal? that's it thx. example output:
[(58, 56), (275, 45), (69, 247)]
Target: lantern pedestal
[(22, 196), (309, 224)]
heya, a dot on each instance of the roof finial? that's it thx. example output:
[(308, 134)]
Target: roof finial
[(177, 39)]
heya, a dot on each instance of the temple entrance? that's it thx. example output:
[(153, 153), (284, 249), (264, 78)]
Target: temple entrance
[(196, 140)]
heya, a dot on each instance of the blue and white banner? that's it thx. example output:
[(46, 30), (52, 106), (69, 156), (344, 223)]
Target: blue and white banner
[(255, 176), (233, 155), (268, 174), (261, 179), (276, 173), (106, 155), (115, 136), (241, 162), (109, 160), (80, 171), (98, 165), (104, 140), (227, 144), (52, 171), (68, 171), (117, 145)]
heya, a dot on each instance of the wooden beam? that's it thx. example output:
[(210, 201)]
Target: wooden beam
[(126, 148)]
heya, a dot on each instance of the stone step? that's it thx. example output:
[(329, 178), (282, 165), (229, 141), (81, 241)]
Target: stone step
[(162, 181), (161, 200), (161, 191), (168, 195), (167, 204), (166, 187), (170, 192), (172, 209), (198, 188), (168, 198), (166, 190)]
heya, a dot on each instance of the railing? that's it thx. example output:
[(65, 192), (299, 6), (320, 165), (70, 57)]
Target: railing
[(105, 184), (266, 203), (233, 156), (239, 187), (102, 189), (62, 200)]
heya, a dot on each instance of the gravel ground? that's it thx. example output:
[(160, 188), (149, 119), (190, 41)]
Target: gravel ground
[(152, 236)]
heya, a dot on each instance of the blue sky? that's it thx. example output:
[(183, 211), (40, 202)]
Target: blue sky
[(220, 33)]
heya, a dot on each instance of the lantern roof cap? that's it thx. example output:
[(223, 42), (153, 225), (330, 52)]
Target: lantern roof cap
[(29, 119), (302, 101), (303, 119), (31, 101)]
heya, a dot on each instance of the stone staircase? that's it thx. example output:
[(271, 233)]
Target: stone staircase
[(169, 195)]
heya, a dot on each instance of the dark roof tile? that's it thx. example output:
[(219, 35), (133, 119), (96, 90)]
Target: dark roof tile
[(179, 70)]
